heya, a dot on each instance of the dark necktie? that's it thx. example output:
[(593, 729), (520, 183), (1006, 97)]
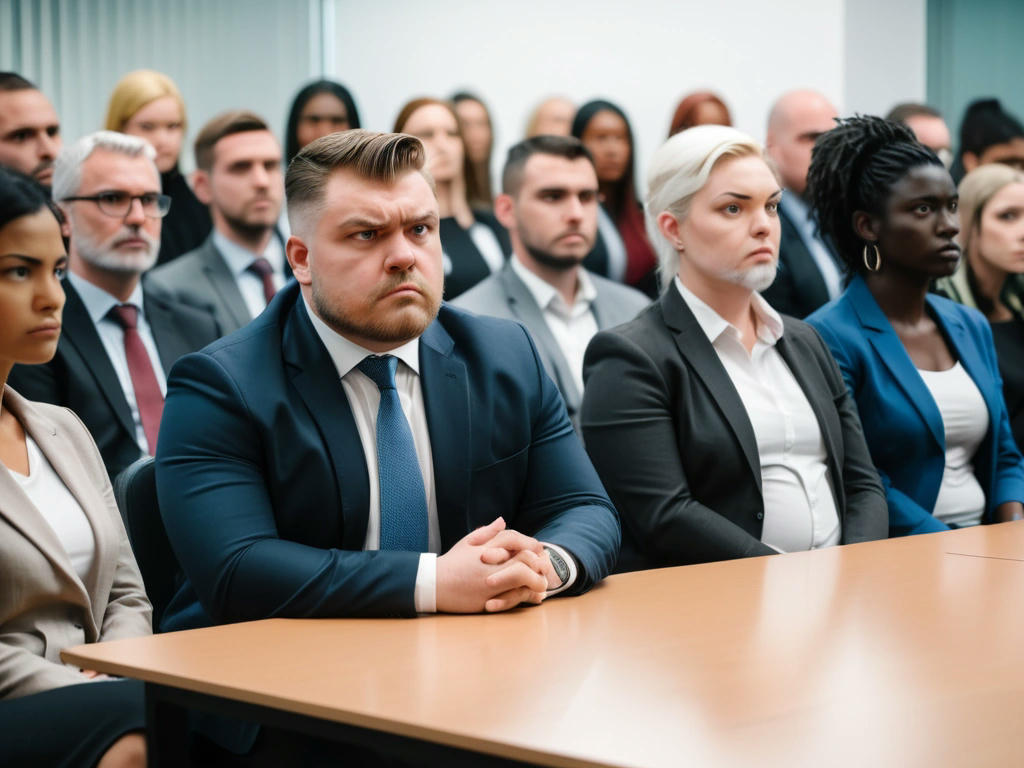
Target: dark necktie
[(262, 269), (403, 502), (148, 398)]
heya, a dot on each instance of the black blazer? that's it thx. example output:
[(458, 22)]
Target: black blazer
[(671, 440), (799, 288), (82, 378)]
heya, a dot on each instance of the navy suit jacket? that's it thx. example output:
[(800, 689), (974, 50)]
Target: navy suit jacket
[(902, 424), (263, 483), (798, 288)]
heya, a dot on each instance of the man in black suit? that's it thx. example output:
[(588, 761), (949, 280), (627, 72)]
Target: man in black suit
[(808, 274), (118, 341), (242, 264)]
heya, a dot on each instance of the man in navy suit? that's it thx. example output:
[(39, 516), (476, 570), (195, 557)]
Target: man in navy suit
[(299, 478)]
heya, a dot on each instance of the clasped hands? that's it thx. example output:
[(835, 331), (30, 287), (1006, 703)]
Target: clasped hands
[(493, 569)]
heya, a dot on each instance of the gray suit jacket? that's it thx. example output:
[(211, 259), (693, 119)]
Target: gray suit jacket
[(44, 606), (203, 279), (504, 294)]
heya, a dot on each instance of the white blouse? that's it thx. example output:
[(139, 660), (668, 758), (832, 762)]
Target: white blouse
[(59, 508), (961, 499)]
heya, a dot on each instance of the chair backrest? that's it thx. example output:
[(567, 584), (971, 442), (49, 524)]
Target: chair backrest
[(135, 491)]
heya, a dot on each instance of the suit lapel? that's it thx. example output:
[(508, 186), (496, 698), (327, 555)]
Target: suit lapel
[(224, 284), (316, 380), (445, 388), (80, 333), (879, 331), (695, 348), (23, 515), (168, 334), (524, 307)]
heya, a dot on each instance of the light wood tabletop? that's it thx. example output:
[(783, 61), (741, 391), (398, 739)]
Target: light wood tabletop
[(906, 652)]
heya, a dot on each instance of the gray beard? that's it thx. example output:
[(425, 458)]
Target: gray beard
[(756, 278)]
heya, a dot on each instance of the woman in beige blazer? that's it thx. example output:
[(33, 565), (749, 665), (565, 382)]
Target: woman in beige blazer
[(67, 573)]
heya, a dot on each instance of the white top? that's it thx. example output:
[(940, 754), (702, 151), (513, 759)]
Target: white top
[(239, 259), (800, 214), (487, 243), (59, 508), (799, 505), (961, 499), (573, 327), (98, 303)]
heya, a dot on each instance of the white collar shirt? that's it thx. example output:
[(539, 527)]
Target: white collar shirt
[(239, 259), (799, 505)]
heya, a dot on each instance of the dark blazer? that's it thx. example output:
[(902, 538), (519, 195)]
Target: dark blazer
[(671, 439), (504, 294), (82, 378), (902, 424), (799, 288), (266, 503)]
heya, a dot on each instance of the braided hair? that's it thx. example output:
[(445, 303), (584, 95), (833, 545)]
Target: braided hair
[(853, 168)]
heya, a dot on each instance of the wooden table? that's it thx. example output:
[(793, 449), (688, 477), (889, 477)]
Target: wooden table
[(906, 652)]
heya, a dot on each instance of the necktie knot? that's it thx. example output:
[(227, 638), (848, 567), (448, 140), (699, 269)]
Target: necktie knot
[(380, 370), (126, 315), (261, 267)]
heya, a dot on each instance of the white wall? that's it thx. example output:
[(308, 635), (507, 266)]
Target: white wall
[(644, 55)]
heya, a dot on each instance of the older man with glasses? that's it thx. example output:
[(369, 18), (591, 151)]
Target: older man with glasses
[(119, 338)]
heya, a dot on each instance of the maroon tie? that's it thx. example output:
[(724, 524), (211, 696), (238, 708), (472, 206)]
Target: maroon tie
[(147, 389), (262, 268)]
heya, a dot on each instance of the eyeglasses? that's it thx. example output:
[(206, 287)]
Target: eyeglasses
[(118, 204)]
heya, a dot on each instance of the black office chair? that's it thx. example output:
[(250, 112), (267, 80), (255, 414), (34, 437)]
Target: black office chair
[(135, 492)]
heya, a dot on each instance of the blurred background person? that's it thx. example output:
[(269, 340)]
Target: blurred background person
[(478, 132), (29, 129), (720, 428), (988, 134), (623, 251), (66, 566), (320, 108), (922, 368), (552, 117), (990, 275), (928, 126), (475, 244), (699, 108), (148, 104)]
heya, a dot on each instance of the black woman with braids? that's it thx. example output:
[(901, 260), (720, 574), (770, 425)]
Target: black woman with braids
[(922, 368)]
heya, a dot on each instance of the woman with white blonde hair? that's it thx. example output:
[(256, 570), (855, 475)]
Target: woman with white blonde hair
[(720, 428)]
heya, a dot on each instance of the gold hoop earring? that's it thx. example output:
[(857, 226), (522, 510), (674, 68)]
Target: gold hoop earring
[(878, 258)]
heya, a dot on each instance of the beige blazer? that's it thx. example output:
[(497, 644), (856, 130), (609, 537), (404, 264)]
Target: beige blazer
[(44, 606)]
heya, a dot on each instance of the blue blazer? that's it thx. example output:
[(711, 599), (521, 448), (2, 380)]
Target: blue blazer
[(902, 423), (263, 484)]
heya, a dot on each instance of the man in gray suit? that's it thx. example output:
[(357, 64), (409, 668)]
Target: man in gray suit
[(549, 207), (242, 264)]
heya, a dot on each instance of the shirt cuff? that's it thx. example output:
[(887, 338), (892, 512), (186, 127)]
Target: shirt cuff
[(569, 561), (425, 594)]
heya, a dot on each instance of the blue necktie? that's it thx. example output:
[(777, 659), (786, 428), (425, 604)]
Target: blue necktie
[(403, 502)]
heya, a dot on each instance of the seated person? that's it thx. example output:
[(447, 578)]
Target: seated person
[(720, 428), (67, 569), (361, 449), (922, 368)]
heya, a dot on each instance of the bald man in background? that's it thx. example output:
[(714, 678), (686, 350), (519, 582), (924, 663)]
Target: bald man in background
[(808, 274)]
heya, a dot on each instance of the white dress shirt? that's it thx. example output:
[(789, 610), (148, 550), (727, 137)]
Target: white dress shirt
[(239, 259), (800, 214), (961, 499), (59, 508), (98, 304), (573, 327), (799, 506)]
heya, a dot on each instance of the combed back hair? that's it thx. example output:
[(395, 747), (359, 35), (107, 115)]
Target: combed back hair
[(567, 147), (853, 168), (908, 109), (134, 91), (12, 81), (678, 171), (976, 190), (67, 169), (20, 195), (381, 157), (224, 124)]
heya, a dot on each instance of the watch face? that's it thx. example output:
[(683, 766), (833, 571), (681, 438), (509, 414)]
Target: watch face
[(558, 564)]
